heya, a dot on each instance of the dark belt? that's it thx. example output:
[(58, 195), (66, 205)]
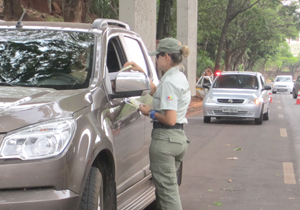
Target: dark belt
[(160, 125)]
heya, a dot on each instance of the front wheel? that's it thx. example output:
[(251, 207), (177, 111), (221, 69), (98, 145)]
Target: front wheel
[(266, 115), (92, 197), (294, 94), (206, 120)]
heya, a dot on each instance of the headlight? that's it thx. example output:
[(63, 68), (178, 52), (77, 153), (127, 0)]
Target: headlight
[(42, 140), (210, 100), (255, 101)]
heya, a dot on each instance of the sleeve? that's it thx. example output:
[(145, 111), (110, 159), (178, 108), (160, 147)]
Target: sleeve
[(169, 97)]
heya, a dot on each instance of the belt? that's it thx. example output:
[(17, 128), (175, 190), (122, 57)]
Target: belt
[(160, 125)]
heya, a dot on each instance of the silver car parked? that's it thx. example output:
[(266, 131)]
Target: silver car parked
[(239, 95)]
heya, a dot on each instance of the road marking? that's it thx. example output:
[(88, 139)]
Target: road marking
[(279, 107), (288, 171), (280, 115), (283, 132)]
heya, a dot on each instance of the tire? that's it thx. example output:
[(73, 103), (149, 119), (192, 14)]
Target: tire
[(92, 197), (294, 94), (258, 121), (266, 115), (206, 119)]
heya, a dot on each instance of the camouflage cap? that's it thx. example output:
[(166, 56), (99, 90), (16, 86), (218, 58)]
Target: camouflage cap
[(167, 45)]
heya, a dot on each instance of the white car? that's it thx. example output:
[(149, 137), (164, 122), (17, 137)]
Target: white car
[(206, 81), (283, 83), (238, 95)]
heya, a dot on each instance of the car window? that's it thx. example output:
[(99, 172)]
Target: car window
[(236, 81), (115, 57), (55, 59), (136, 53), (283, 79)]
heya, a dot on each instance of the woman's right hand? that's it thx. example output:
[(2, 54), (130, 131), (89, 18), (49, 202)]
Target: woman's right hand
[(134, 67)]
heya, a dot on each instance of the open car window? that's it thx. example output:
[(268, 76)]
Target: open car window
[(54, 59)]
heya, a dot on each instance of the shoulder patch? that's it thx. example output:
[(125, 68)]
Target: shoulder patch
[(169, 98)]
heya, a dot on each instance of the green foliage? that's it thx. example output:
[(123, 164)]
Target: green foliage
[(203, 61), (105, 8), (253, 40)]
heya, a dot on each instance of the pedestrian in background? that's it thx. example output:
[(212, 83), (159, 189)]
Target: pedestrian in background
[(171, 99)]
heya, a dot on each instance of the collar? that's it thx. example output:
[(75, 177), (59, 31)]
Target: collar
[(171, 71)]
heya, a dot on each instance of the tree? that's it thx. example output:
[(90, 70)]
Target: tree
[(76, 10), (234, 7), (166, 19), (12, 9)]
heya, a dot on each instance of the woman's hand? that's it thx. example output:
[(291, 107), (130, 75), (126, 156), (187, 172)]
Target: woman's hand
[(134, 67), (145, 109)]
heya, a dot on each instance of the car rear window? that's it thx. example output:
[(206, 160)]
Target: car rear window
[(44, 58), (236, 81)]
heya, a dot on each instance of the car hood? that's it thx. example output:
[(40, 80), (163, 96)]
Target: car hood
[(283, 83), (233, 93), (22, 106)]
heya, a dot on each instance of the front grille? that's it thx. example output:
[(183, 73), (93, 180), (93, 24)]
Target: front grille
[(231, 101), (281, 85), (239, 113)]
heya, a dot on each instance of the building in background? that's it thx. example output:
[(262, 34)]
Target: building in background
[(294, 46)]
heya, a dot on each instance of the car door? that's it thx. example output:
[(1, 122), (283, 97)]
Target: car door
[(264, 94), (297, 85), (136, 52), (127, 124)]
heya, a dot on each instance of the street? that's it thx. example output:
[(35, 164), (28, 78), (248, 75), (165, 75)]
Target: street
[(237, 165)]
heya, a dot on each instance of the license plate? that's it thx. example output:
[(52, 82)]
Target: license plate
[(230, 110)]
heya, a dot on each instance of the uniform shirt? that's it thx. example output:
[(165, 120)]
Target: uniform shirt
[(173, 93)]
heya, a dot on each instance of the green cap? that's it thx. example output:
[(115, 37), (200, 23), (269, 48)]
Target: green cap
[(167, 45)]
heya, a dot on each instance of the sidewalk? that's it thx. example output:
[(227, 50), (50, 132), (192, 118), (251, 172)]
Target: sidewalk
[(195, 106)]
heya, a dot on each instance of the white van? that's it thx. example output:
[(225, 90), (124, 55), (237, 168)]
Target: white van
[(283, 83)]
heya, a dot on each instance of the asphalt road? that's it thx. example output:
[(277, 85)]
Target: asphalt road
[(237, 165)]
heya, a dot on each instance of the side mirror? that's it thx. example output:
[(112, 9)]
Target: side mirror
[(267, 87), (128, 84)]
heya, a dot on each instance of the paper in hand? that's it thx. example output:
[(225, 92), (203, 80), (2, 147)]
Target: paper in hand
[(133, 102)]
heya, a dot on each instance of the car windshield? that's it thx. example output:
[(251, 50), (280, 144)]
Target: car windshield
[(283, 79), (236, 81), (53, 59)]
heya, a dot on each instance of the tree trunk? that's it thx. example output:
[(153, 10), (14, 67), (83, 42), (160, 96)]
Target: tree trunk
[(223, 35), (163, 19), (12, 9), (76, 10)]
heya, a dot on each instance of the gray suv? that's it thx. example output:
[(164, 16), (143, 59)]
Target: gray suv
[(68, 138)]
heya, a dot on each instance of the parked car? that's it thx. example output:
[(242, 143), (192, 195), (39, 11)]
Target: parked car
[(68, 138), (238, 95), (206, 81), (296, 88), (283, 83)]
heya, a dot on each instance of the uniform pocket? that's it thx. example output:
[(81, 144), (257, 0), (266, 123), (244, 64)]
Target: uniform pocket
[(176, 139), (177, 136)]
